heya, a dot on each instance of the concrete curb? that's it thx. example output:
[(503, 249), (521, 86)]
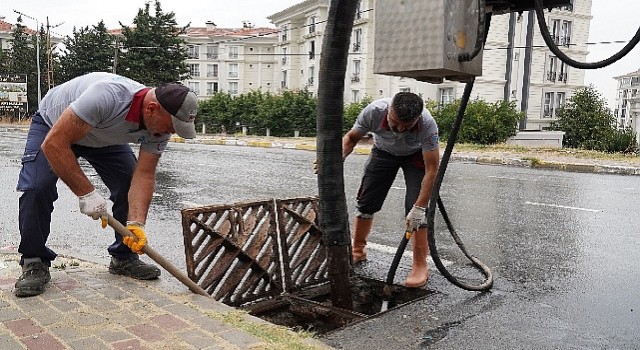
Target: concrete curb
[(518, 162), (306, 145)]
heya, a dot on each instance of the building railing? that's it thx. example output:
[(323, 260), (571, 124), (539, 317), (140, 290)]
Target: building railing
[(212, 56), (551, 76), (355, 77), (212, 74)]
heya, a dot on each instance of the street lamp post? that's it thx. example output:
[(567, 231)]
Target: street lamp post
[(37, 50)]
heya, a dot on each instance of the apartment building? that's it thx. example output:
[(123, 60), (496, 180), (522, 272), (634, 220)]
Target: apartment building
[(517, 65), (234, 60), (627, 105)]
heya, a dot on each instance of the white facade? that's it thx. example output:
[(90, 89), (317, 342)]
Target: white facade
[(517, 65), (627, 108), (234, 60)]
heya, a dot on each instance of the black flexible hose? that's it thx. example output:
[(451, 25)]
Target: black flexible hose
[(544, 30), (435, 200), (480, 35)]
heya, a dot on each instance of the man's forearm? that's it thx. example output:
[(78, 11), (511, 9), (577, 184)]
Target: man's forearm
[(140, 195), (64, 163)]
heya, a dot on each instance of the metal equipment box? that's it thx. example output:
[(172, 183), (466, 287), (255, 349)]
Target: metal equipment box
[(422, 39)]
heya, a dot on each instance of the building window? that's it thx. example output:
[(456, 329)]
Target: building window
[(212, 87), (233, 70), (357, 40), (285, 33), (355, 73), (311, 76), (194, 86), (233, 88), (194, 70), (233, 52), (283, 83), (445, 96), (552, 103), (212, 70), (193, 51), (355, 96), (554, 29), (212, 52), (359, 10), (312, 49), (405, 89), (312, 24), (565, 33), (551, 68), (563, 74), (284, 56)]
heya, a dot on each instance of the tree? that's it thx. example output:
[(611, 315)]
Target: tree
[(334, 220), (484, 123), (153, 51), (21, 59), (352, 110), (588, 123), (88, 50)]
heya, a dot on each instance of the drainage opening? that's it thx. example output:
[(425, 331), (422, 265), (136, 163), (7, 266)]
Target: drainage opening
[(269, 258), (311, 310)]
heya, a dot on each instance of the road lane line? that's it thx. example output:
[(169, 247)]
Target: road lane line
[(563, 207), (407, 254)]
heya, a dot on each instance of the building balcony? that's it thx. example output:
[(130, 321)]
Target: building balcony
[(212, 56), (212, 74), (562, 77), (355, 78), (551, 76), (233, 74), (356, 47)]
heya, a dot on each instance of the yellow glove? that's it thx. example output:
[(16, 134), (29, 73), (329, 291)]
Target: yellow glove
[(135, 244)]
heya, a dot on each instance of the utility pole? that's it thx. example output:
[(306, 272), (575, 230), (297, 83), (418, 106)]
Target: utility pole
[(37, 50), (115, 56), (50, 82)]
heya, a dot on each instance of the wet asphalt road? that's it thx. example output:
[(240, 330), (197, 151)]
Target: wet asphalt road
[(563, 246)]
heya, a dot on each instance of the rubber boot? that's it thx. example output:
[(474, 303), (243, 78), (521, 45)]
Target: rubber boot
[(361, 229), (419, 271)]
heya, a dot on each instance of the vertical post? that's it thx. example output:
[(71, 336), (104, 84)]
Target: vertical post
[(115, 56), (38, 59)]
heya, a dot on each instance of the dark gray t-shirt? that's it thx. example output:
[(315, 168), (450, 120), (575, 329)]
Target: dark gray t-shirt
[(373, 118), (103, 100)]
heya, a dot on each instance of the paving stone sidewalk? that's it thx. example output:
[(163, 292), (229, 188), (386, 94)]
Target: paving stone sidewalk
[(86, 307)]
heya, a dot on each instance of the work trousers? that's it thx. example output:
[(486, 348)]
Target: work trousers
[(379, 174), (37, 182)]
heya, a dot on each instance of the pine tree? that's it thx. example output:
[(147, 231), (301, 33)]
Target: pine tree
[(89, 50), (154, 53)]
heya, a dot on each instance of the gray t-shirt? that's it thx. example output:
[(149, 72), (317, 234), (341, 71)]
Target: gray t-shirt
[(373, 119), (103, 100)]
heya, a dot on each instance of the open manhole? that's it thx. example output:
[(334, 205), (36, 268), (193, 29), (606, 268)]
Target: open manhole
[(311, 310), (269, 258)]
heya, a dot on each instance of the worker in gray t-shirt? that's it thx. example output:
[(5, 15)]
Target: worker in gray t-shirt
[(96, 116), (405, 136)]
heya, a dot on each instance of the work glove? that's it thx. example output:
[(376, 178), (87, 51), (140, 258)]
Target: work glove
[(93, 205), (415, 218), (135, 244)]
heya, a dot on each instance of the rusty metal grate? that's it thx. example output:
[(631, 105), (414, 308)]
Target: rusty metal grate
[(304, 254), (232, 250), (246, 251)]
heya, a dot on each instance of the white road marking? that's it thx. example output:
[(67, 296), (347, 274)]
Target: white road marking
[(563, 207), (407, 254)]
